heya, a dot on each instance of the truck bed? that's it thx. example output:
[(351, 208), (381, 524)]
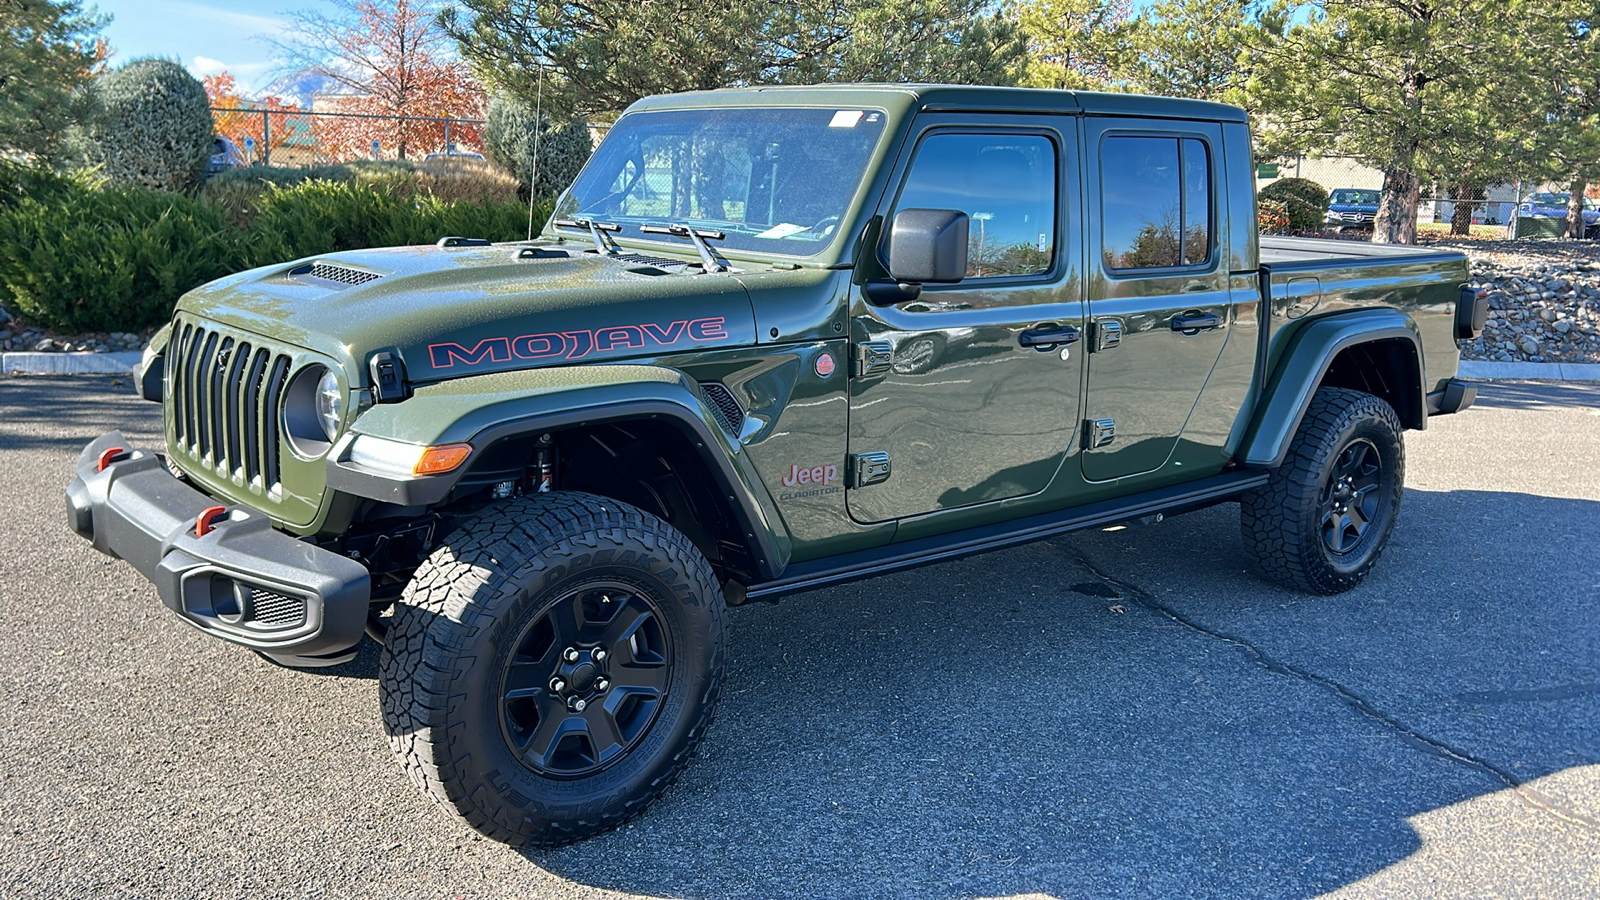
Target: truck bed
[(1303, 279)]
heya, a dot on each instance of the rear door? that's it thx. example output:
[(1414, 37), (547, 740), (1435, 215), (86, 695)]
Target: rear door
[(1159, 304), (965, 413)]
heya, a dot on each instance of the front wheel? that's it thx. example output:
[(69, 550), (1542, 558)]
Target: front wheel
[(552, 667), (1321, 521)]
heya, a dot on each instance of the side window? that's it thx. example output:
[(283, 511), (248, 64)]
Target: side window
[(1155, 202), (1006, 184)]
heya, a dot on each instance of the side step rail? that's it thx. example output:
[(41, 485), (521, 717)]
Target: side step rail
[(955, 545)]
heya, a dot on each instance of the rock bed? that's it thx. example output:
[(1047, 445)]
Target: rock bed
[(17, 336), (1544, 300)]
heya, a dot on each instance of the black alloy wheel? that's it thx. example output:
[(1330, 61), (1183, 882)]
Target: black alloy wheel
[(552, 666), (1351, 498), (1321, 521), (586, 680)]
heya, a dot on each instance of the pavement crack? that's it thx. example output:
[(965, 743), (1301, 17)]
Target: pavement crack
[(1350, 698)]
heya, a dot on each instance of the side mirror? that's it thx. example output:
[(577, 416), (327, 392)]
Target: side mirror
[(928, 246)]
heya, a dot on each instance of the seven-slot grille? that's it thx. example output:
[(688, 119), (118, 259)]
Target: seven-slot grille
[(227, 393)]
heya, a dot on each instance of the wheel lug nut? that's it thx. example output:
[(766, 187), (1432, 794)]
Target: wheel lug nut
[(557, 685), (571, 655), (599, 654), (602, 684), (578, 704)]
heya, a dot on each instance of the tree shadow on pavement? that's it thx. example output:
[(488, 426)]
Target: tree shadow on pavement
[(66, 412), (1537, 395), (1018, 724)]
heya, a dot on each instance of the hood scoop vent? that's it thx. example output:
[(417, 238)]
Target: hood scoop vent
[(664, 263), (321, 273)]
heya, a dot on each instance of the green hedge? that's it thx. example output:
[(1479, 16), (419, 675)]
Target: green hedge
[(322, 216), (76, 256), (113, 259)]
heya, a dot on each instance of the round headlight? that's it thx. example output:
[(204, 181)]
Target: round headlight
[(330, 405), (313, 411)]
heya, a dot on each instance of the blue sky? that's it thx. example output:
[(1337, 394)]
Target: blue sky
[(210, 35), (206, 35)]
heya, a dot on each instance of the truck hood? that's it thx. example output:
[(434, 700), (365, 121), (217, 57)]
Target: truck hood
[(471, 310)]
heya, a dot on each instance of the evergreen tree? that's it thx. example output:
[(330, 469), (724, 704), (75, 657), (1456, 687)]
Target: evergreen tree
[(601, 55), (49, 52)]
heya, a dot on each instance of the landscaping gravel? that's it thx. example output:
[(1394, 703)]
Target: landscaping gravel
[(1544, 300)]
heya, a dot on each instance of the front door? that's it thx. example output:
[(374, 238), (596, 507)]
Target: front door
[(1158, 302), (943, 384)]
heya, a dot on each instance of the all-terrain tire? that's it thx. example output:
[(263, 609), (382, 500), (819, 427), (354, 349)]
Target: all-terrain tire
[(1322, 519), (473, 622)]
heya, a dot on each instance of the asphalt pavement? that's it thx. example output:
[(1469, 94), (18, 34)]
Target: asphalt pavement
[(1121, 713)]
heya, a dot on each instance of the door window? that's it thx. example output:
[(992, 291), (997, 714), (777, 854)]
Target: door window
[(1155, 203), (1006, 184)]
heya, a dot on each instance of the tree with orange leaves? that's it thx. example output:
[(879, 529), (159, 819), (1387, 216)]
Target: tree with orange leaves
[(389, 58), (251, 119)]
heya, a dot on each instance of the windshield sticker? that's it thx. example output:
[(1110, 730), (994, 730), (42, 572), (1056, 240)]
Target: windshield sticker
[(576, 344), (846, 118), (782, 230)]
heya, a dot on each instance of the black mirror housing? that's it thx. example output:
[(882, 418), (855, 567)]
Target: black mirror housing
[(928, 246)]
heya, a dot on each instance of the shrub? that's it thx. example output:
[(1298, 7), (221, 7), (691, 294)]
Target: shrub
[(1272, 216), (111, 259), (238, 193), (151, 126), (511, 132), (318, 216), (1305, 201)]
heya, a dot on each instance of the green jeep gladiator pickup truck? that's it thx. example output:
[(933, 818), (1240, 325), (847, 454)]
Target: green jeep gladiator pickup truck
[(770, 340)]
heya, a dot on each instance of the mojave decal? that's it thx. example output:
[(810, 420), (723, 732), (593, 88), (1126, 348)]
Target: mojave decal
[(576, 344)]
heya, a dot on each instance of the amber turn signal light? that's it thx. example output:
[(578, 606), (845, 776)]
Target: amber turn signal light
[(439, 460)]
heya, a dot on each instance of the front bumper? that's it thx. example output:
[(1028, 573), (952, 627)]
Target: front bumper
[(243, 581)]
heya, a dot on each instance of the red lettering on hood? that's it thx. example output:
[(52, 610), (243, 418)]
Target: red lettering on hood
[(577, 344)]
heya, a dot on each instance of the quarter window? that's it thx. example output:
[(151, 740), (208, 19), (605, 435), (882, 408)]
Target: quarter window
[(1155, 202), (1006, 184)]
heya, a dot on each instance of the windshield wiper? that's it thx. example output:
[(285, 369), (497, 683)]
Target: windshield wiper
[(594, 229), (697, 235)]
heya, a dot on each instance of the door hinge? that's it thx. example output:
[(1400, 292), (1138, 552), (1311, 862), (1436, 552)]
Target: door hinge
[(1098, 432), (869, 468), (873, 358), (1107, 334)]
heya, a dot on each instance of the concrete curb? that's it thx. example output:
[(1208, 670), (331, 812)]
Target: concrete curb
[(85, 363), (1522, 371)]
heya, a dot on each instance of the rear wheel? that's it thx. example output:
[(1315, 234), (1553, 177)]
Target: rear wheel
[(551, 668), (1321, 521)]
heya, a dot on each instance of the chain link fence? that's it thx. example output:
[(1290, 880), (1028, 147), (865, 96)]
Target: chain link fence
[(1516, 208), (276, 136)]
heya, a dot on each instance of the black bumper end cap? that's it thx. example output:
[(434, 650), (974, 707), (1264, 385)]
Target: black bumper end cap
[(1456, 396)]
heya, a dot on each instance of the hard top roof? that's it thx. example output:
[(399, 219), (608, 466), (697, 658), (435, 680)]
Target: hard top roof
[(950, 97)]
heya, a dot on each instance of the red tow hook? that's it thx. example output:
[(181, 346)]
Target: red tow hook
[(207, 520), (111, 455)]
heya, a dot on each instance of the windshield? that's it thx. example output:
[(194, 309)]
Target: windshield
[(773, 180), (1351, 197), (1546, 198)]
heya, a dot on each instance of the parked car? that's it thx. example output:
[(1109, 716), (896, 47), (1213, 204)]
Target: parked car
[(1352, 208), (454, 154), (225, 155), (539, 473), (1553, 205)]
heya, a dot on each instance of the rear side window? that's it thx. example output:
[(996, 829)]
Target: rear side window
[(1155, 203), (1005, 183)]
